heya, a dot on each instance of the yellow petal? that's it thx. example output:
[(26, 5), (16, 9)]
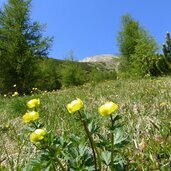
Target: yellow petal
[(108, 108), (33, 137), (37, 135), (30, 116), (34, 115), (75, 105), (27, 118), (33, 103)]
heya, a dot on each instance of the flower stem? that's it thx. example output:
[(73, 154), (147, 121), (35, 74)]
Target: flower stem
[(90, 139), (112, 144)]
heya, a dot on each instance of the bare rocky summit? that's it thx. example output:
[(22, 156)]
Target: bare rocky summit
[(99, 58), (109, 61)]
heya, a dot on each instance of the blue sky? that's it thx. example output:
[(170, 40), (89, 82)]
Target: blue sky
[(90, 27)]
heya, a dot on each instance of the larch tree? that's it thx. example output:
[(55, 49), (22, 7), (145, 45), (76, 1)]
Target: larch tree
[(21, 44)]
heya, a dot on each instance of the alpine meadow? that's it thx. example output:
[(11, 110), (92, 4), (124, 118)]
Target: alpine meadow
[(104, 113)]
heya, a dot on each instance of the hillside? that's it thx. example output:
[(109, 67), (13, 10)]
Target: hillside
[(54, 73), (103, 62), (107, 61), (143, 105)]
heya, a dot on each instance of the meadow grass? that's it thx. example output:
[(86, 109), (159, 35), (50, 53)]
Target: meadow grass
[(145, 106)]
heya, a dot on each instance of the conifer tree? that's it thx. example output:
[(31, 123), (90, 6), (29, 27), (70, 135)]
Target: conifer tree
[(21, 44), (127, 37), (138, 49)]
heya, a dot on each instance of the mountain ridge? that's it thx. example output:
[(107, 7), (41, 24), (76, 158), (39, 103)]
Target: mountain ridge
[(109, 61)]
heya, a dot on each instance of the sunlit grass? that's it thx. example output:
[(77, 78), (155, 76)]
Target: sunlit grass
[(145, 107)]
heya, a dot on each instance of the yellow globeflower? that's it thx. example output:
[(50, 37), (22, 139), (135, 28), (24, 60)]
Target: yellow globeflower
[(75, 105), (15, 94), (108, 108), (37, 135), (33, 103), (30, 116)]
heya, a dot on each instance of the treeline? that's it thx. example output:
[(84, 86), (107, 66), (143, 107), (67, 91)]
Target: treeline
[(24, 58), (54, 74), (24, 54)]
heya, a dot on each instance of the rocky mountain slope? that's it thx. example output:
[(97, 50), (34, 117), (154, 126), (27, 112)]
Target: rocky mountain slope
[(107, 61)]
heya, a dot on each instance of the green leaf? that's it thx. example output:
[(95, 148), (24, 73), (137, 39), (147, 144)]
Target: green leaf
[(118, 163), (116, 118), (92, 127), (120, 140), (106, 157)]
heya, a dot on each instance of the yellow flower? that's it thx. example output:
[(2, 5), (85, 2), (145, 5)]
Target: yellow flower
[(33, 103), (75, 105), (30, 116), (163, 103), (14, 85), (37, 135), (108, 108), (15, 94)]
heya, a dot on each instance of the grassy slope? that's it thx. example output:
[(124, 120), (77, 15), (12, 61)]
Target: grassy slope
[(144, 104), (108, 65)]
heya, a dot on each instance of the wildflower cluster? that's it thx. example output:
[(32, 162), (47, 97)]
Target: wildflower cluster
[(30, 117), (60, 152)]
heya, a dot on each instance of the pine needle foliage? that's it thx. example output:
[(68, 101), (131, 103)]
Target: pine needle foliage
[(21, 43)]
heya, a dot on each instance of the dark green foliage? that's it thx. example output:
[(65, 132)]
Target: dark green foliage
[(49, 75), (167, 47), (72, 74), (164, 65), (165, 62), (21, 42), (53, 74)]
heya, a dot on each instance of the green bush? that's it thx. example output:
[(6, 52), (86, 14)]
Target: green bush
[(48, 75), (72, 74)]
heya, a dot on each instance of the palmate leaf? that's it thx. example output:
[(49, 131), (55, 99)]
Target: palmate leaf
[(118, 163), (120, 140), (103, 142), (92, 126), (38, 164), (106, 157), (80, 158)]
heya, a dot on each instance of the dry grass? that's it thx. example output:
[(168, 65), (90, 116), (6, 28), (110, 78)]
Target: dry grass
[(144, 104)]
